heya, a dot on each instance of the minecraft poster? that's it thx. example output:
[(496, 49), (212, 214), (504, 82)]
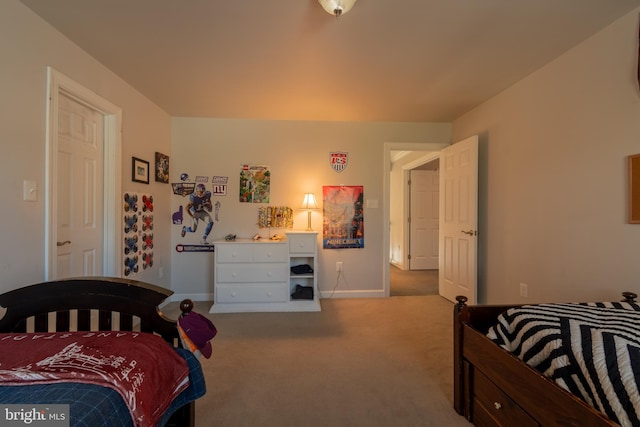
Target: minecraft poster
[(343, 217)]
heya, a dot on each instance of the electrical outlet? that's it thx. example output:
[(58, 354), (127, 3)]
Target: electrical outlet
[(524, 290), (339, 266)]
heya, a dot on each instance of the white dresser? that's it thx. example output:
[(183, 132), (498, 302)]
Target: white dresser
[(255, 275)]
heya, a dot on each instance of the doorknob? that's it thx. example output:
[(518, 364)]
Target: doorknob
[(63, 243), (471, 232)]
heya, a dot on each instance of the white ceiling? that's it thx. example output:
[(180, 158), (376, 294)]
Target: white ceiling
[(386, 60)]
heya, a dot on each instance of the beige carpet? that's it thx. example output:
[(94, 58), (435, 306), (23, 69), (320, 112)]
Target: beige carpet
[(358, 362), (412, 282)]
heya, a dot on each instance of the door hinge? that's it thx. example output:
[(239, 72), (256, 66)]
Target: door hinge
[(409, 257)]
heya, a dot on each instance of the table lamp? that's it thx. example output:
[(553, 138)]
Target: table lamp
[(309, 203)]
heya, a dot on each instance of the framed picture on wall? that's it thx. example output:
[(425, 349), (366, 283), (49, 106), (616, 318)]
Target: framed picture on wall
[(162, 168), (139, 170)]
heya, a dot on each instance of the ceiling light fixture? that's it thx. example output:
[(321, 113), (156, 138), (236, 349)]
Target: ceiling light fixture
[(337, 7)]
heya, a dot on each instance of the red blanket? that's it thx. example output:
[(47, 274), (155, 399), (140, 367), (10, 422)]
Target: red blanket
[(142, 367)]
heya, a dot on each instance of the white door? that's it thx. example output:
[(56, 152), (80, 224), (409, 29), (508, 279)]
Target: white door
[(423, 220), (459, 220), (79, 190)]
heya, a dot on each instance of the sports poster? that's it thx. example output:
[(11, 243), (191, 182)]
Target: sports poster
[(255, 184), (197, 213), (343, 217)]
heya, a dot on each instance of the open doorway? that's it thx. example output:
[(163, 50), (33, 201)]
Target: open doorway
[(415, 235), (400, 159), (458, 216)]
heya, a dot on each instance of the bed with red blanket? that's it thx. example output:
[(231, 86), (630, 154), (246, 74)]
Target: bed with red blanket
[(101, 346)]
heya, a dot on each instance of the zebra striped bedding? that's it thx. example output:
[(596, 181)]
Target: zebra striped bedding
[(590, 349)]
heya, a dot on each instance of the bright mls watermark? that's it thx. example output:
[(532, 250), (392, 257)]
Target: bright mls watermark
[(34, 415)]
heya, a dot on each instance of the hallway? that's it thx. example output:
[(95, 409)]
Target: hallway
[(412, 282)]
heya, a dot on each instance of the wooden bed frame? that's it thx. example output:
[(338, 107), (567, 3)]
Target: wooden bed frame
[(492, 387), (121, 304)]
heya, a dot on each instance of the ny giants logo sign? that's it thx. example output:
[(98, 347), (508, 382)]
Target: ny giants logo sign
[(338, 160)]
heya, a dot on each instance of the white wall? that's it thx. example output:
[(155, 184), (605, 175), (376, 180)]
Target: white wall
[(553, 149), (298, 156), (27, 46)]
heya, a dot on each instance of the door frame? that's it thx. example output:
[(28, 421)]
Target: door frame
[(58, 83), (434, 153)]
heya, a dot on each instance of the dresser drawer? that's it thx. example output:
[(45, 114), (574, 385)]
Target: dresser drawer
[(252, 293), (240, 273), (268, 252), (233, 252), (302, 243), (492, 404), (255, 276)]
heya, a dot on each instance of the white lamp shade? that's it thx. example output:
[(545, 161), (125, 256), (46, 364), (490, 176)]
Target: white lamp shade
[(309, 201), (331, 6)]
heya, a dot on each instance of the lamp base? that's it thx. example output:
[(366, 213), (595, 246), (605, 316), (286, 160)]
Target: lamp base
[(309, 222)]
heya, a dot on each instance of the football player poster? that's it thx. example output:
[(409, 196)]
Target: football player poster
[(199, 208), (343, 217)]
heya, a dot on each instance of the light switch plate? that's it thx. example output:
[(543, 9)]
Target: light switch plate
[(29, 191)]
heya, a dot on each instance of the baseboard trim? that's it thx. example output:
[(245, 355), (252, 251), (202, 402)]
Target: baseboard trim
[(352, 294), (177, 297)]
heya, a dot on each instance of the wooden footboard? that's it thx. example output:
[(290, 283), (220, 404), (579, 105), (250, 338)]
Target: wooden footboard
[(494, 388)]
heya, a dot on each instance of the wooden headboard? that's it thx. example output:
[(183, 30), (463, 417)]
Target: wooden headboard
[(113, 298)]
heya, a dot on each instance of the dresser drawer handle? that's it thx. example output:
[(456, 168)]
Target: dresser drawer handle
[(497, 405), (269, 274), (233, 274)]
